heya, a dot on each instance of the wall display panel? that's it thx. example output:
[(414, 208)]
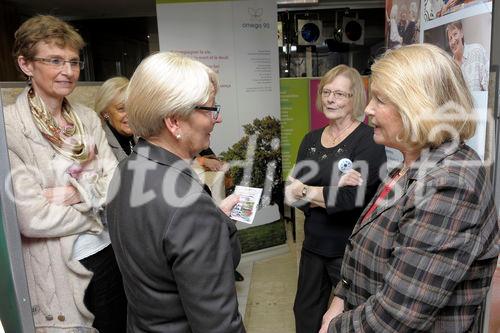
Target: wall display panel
[(492, 318), (453, 25), (237, 39), (294, 119), (402, 23), (433, 9), (15, 307), (465, 34)]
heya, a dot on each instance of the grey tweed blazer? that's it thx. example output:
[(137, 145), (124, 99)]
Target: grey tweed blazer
[(424, 260)]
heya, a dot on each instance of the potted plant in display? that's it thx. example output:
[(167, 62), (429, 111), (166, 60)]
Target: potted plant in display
[(256, 161)]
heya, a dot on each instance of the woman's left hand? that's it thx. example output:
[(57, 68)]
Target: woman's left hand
[(228, 203), (336, 308)]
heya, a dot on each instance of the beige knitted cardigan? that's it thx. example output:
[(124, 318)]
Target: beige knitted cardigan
[(48, 231)]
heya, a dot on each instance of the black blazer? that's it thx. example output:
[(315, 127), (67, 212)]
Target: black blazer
[(176, 249)]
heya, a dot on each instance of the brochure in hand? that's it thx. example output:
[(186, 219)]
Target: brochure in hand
[(244, 211)]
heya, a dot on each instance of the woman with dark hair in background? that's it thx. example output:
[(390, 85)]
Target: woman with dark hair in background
[(331, 207), (61, 166)]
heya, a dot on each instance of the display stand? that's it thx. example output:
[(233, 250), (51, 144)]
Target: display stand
[(15, 307)]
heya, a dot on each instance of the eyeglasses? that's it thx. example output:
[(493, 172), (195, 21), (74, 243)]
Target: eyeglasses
[(337, 94), (59, 63), (215, 110)]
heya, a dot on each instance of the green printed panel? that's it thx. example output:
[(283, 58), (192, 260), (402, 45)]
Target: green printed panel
[(9, 312), (262, 236), (294, 98)]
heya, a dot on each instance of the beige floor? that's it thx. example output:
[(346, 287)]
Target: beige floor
[(269, 306), (266, 299), (267, 293)]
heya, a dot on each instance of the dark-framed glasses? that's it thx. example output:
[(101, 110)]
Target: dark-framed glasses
[(215, 110), (59, 63), (337, 94)]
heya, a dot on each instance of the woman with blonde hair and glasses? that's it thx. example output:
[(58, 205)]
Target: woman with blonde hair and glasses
[(423, 252), (331, 196), (61, 166), (176, 249)]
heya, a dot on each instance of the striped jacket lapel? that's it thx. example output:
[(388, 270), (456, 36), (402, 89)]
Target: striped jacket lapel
[(401, 188), (428, 159)]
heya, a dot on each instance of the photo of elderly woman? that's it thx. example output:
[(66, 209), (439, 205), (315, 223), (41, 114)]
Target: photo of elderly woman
[(469, 45)]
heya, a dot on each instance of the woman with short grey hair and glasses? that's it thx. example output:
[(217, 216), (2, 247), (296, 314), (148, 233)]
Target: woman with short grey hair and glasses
[(176, 248), (326, 189)]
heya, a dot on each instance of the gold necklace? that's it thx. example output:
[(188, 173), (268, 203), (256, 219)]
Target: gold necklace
[(335, 139), (69, 141)]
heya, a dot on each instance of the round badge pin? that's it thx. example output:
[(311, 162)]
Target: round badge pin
[(345, 165)]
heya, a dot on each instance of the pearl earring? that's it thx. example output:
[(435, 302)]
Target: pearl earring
[(178, 136)]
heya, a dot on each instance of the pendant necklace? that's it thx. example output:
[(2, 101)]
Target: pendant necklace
[(335, 139)]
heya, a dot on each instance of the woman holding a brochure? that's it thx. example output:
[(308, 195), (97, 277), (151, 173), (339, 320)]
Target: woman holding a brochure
[(177, 250), (332, 194)]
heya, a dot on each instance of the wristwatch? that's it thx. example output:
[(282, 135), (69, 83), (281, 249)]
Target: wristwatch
[(304, 191)]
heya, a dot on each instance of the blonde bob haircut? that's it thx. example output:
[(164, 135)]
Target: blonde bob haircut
[(429, 91), (110, 90), (357, 88), (166, 85)]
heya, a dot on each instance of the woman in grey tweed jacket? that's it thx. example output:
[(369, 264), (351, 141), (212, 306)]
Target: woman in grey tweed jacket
[(422, 255)]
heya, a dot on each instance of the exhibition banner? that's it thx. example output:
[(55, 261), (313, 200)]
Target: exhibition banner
[(294, 96), (466, 29), (318, 119), (237, 39), (15, 307), (458, 27)]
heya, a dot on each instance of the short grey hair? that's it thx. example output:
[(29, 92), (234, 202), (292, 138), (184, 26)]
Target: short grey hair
[(165, 85), (357, 88), (109, 91)]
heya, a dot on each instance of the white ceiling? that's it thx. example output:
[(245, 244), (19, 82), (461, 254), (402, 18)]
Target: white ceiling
[(85, 9)]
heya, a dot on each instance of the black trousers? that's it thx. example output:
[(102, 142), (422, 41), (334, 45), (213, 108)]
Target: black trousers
[(317, 276), (104, 296)]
